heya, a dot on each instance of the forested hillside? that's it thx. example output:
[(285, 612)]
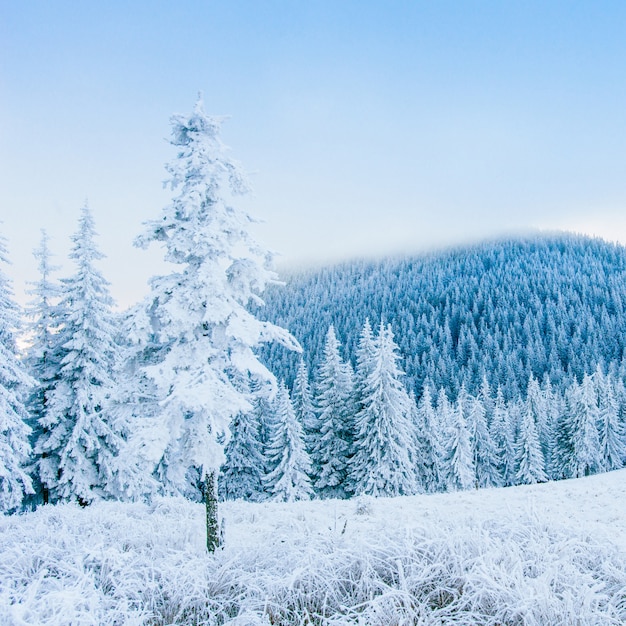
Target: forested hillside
[(506, 310)]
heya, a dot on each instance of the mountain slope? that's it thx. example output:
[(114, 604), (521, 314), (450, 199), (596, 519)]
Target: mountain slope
[(552, 305)]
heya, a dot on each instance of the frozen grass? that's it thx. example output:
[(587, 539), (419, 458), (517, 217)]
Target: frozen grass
[(513, 556)]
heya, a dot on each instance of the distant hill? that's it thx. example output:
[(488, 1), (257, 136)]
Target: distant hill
[(544, 305)]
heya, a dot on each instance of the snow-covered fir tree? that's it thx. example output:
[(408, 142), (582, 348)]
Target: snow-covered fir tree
[(610, 430), (335, 405), (302, 399), (79, 441), (503, 439), (585, 417), (384, 461), (241, 476), (365, 361), (428, 451), (202, 332), (289, 479), (530, 463), (483, 447), (459, 459), (15, 384), (43, 354)]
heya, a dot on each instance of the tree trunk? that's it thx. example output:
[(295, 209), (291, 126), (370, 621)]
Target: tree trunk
[(212, 524)]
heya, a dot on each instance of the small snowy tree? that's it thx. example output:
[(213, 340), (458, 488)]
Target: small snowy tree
[(384, 461), (79, 441), (204, 333), (289, 480), (335, 406), (15, 383)]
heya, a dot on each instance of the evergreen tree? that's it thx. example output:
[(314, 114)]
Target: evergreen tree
[(483, 447), (365, 360), (428, 450), (459, 459), (586, 443), (204, 331), (303, 406), (385, 458), (530, 461), (79, 442), (442, 436), (289, 480), (335, 406), (43, 356), (15, 384), (503, 440), (241, 476), (611, 431)]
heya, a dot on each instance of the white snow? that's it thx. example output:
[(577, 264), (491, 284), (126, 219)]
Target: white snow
[(552, 553)]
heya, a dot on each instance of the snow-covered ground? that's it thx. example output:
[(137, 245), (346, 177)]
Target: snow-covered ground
[(534, 555)]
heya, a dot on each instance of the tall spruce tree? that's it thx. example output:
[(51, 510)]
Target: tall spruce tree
[(289, 479), (79, 441), (385, 455), (204, 333), (335, 407), (15, 384)]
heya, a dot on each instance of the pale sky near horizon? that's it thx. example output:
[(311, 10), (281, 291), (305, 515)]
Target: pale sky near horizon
[(370, 127)]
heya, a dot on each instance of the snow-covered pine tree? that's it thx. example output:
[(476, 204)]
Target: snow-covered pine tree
[(15, 384), (241, 476), (611, 431), (483, 447), (289, 480), (384, 461), (442, 434), (428, 449), (203, 329), (503, 439), (335, 406), (585, 415), (365, 360), (43, 355), (303, 406), (459, 458), (530, 462), (79, 441)]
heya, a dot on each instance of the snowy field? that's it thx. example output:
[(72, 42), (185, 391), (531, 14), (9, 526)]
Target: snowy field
[(533, 555)]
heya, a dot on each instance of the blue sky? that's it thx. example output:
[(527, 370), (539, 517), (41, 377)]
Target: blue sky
[(369, 127)]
